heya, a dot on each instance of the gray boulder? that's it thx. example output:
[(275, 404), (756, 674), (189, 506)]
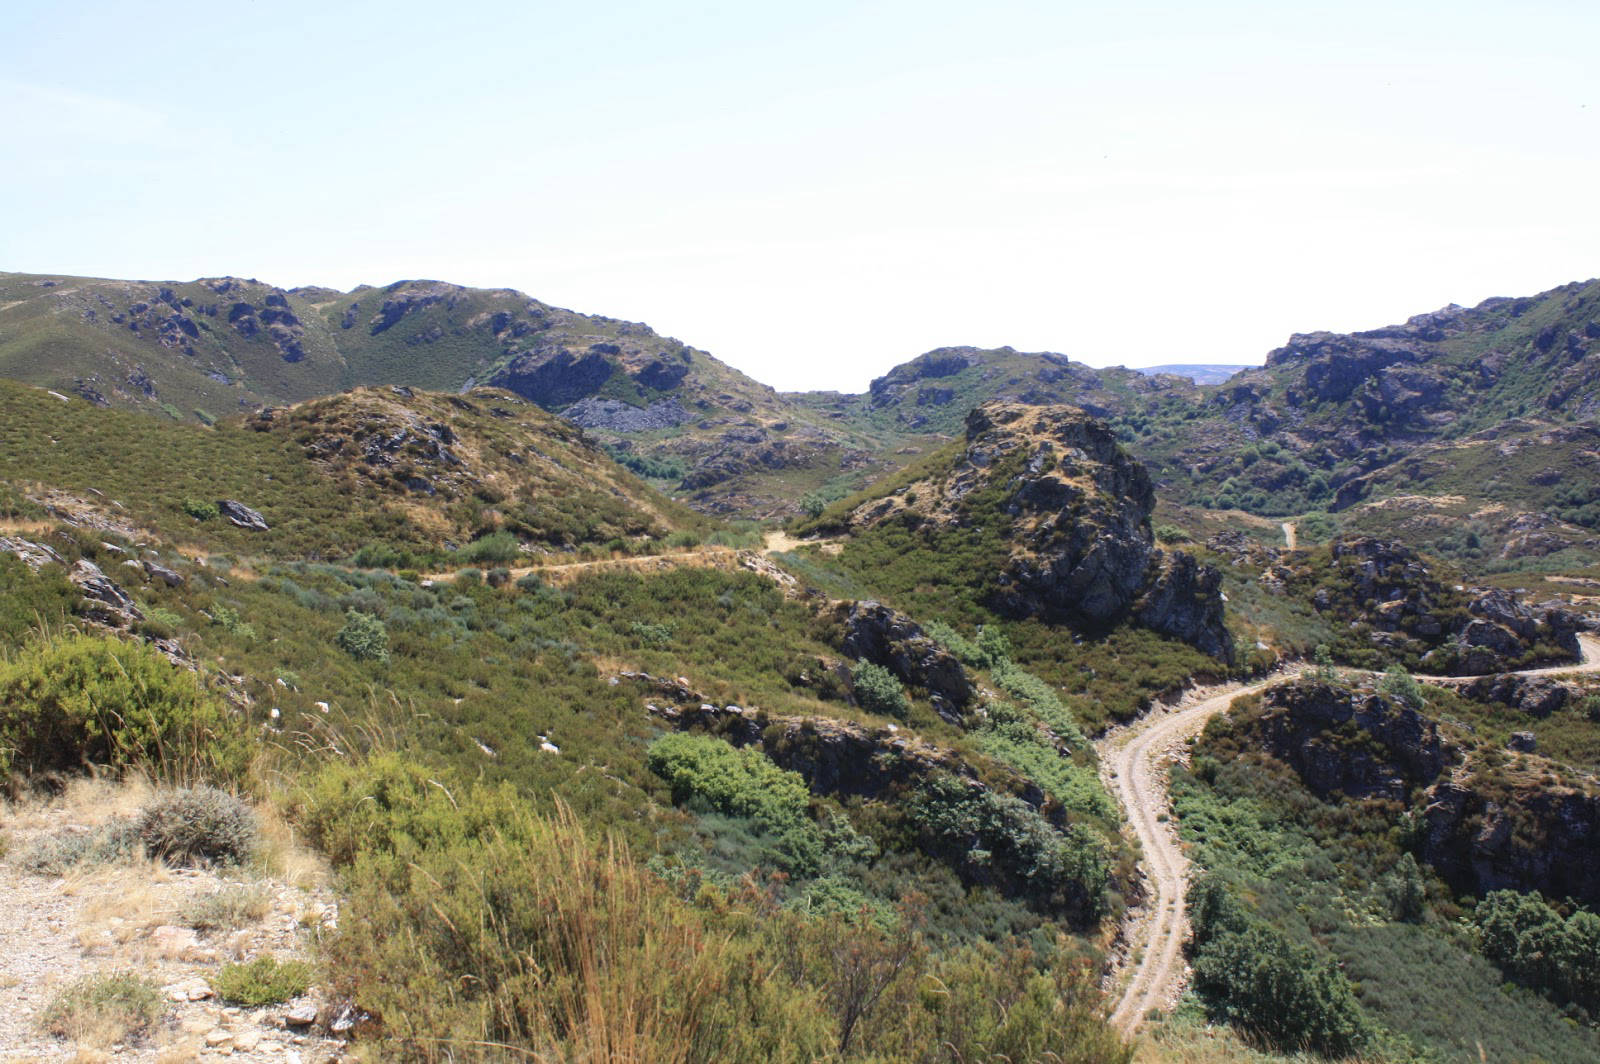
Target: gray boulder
[(242, 515)]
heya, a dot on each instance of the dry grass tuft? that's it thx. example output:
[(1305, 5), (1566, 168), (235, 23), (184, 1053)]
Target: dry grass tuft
[(103, 1009)]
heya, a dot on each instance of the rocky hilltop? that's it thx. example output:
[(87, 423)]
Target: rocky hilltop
[(1073, 508)]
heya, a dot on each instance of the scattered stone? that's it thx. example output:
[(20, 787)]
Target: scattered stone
[(189, 990), (170, 577), (174, 942), (301, 1016), (1523, 742), (218, 1037)]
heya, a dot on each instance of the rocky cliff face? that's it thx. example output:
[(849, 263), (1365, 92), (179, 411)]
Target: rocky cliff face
[(1397, 604), (1481, 827)]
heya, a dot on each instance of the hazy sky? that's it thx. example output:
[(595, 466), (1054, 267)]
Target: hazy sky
[(815, 192)]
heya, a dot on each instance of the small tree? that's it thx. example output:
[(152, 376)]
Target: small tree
[(1407, 894), (364, 637), (1324, 661), (878, 690), (1401, 686)]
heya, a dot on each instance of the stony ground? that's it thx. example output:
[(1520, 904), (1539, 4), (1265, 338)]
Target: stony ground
[(129, 916)]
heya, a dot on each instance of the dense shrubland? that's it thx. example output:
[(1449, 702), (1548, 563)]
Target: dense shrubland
[(768, 922)]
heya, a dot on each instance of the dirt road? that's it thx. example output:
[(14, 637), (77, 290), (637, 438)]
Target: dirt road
[(1134, 763)]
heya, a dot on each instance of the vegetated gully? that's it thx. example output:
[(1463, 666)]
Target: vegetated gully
[(1134, 763)]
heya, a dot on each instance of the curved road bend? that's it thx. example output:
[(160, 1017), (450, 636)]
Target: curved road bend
[(1135, 763)]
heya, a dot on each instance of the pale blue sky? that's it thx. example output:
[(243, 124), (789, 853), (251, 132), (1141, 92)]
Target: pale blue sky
[(817, 192)]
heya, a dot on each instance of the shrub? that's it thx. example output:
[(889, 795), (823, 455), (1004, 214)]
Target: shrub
[(200, 509), (1000, 837), (81, 700), (1538, 947), (198, 826), (230, 621), (364, 637), (494, 547), (104, 1009), (878, 690), (263, 981), (1400, 685), (1253, 976), (742, 783)]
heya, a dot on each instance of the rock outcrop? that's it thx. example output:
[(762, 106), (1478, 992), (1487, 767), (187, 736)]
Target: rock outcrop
[(1354, 743), (1536, 837), (1185, 601), (1409, 610), (243, 516), (1075, 509), (876, 633)]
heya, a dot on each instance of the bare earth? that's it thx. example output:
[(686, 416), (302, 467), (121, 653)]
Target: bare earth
[(126, 917), (1134, 763)]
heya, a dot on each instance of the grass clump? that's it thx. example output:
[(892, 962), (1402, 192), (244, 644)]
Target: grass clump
[(228, 909), (104, 1009), (263, 981), (54, 855), (198, 826)]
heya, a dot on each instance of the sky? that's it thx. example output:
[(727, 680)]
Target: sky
[(815, 193)]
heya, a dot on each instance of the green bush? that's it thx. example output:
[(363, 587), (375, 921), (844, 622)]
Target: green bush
[(1399, 684), (1000, 839), (494, 547), (1538, 947), (364, 637), (742, 783), (198, 826), (263, 981), (1253, 976), (200, 509), (879, 691), (79, 700)]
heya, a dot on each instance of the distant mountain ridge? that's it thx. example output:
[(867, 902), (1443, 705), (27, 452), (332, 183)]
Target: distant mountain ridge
[(1336, 422), (1199, 372)]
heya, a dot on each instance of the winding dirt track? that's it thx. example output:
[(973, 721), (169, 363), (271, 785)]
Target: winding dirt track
[(1134, 762)]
